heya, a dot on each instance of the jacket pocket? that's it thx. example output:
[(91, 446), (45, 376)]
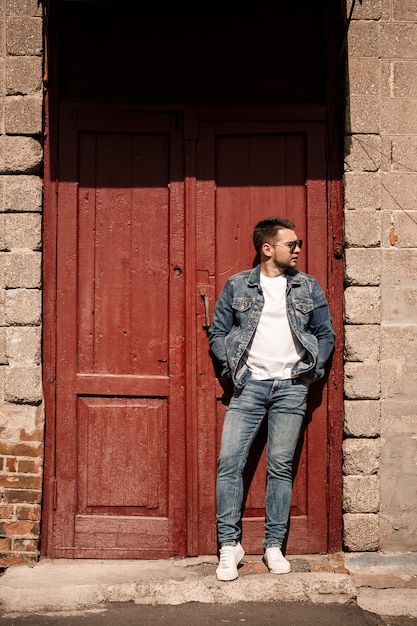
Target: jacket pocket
[(241, 309), (304, 306), (241, 304)]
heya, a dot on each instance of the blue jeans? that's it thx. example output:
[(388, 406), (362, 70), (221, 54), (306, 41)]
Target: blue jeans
[(284, 402)]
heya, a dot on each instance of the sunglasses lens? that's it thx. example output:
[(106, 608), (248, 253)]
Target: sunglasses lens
[(294, 244)]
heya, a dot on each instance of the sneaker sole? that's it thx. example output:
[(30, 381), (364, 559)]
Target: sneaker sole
[(228, 579)]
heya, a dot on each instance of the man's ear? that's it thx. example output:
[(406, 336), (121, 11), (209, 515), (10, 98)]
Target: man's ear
[(266, 250)]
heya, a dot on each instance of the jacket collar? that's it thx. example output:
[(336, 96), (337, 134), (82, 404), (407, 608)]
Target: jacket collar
[(254, 279)]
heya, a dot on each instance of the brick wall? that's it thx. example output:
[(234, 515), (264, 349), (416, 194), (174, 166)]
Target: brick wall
[(380, 447), (21, 412)]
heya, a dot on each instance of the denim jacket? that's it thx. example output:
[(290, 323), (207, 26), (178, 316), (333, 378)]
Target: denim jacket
[(237, 313)]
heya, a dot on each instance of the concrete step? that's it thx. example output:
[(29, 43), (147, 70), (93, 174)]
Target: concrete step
[(68, 585)]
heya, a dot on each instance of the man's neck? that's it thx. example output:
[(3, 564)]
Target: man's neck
[(271, 270)]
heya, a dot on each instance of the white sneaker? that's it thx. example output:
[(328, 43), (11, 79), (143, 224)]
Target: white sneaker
[(276, 562), (230, 557)]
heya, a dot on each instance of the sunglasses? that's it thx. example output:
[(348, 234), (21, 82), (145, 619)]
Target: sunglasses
[(291, 245)]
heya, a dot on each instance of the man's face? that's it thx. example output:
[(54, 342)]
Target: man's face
[(284, 249)]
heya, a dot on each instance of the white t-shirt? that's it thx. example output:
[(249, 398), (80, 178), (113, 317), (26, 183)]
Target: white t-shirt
[(274, 350)]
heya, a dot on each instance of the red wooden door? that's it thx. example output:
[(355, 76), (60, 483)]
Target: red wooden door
[(248, 171), (120, 466), (155, 211)]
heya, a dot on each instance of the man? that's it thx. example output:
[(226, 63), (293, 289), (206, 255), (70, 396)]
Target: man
[(272, 334)]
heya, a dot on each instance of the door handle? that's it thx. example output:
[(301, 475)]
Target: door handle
[(206, 299)]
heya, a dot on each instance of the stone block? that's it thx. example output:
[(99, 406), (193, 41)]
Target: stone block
[(398, 116), (399, 415), (22, 230), (404, 11), (404, 79), (399, 153), (389, 376), (22, 155), (364, 153), (360, 456), (23, 384), (23, 115), (22, 268), (364, 39), (23, 345), (23, 7), (363, 266), (395, 536), (22, 193), (398, 343), (371, 10), (23, 306), (362, 190), (364, 76), (360, 532), (24, 36), (362, 343), (18, 419), (362, 305), (362, 381), (400, 225), (400, 389), (362, 418), (363, 114), (399, 268), (23, 75), (362, 229), (361, 494), (398, 196), (398, 41)]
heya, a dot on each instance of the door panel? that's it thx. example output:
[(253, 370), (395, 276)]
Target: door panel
[(120, 319), (248, 172)]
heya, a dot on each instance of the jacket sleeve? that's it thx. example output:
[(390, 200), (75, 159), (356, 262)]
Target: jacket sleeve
[(321, 327), (222, 324)]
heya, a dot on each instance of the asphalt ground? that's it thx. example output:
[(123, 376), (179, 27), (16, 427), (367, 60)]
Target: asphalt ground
[(214, 614)]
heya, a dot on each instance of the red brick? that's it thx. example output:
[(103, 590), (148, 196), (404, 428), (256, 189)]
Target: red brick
[(10, 464), (20, 449), (26, 545), (20, 528), (28, 513), (24, 481), (29, 467), (8, 560), (5, 543), (6, 512), (21, 496)]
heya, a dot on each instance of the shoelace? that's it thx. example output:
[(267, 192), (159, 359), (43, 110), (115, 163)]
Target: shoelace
[(226, 558)]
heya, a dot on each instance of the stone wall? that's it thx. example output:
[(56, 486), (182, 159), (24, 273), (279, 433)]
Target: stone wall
[(21, 151), (380, 446)]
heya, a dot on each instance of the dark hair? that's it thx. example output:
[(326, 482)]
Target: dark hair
[(268, 228)]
